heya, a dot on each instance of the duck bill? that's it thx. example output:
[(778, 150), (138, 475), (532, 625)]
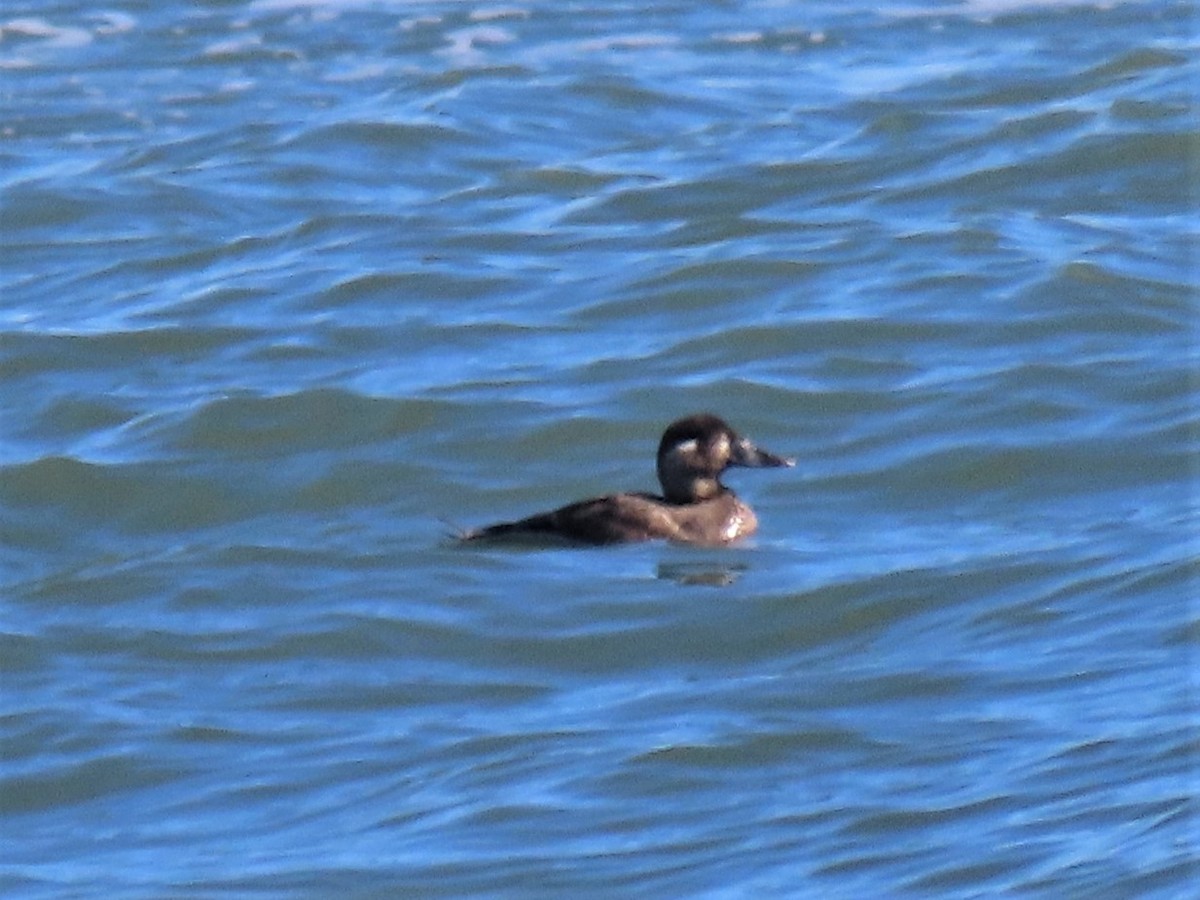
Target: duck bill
[(746, 454)]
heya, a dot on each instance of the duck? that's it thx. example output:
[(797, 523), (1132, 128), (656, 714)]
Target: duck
[(694, 507)]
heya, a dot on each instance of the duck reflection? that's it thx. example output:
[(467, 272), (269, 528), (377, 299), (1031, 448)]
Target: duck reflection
[(708, 573)]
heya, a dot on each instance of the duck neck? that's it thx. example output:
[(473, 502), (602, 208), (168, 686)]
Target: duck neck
[(694, 490)]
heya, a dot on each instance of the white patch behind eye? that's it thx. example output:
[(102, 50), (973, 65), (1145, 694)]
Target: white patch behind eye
[(688, 446)]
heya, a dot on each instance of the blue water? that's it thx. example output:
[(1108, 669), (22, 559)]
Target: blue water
[(287, 285)]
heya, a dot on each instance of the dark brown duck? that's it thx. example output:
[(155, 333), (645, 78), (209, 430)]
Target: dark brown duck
[(695, 508)]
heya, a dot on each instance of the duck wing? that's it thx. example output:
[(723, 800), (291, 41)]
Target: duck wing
[(617, 518)]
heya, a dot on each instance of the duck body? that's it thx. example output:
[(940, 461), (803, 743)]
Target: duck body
[(695, 507), (621, 518)]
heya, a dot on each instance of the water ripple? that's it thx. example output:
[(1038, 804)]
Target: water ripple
[(288, 286)]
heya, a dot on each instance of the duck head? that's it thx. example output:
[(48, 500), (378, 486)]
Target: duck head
[(695, 450)]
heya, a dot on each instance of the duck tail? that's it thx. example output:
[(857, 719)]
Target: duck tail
[(455, 532)]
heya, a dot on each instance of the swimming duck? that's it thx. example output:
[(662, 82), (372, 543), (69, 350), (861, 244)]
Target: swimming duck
[(695, 508)]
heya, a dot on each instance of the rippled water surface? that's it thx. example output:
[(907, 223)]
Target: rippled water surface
[(287, 285)]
